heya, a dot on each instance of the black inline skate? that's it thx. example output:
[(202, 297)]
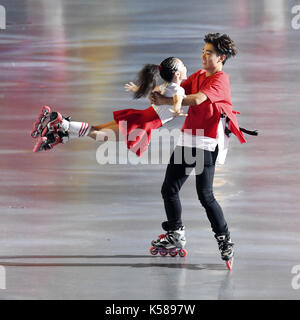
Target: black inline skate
[(226, 249)]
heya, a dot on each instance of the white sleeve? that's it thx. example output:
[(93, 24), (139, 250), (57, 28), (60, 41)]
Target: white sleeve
[(180, 92), (162, 88)]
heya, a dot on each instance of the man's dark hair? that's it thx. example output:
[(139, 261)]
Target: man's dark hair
[(222, 44)]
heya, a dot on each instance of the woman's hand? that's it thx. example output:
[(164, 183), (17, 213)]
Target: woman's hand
[(178, 113), (131, 87)]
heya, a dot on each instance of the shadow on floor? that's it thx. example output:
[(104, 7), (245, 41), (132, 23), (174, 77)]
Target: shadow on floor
[(173, 265)]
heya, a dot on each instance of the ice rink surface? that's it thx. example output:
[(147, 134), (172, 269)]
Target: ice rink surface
[(71, 228)]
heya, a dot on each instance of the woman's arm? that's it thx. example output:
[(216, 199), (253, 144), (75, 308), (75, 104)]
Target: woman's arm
[(131, 87), (177, 100), (177, 103), (134, 88)]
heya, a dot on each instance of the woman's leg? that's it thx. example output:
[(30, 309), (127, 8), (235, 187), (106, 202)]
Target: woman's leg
[(101, 132), (104, 125), (81, 129)]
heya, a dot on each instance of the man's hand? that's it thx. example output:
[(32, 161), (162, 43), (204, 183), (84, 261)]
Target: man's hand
[(157, 99)]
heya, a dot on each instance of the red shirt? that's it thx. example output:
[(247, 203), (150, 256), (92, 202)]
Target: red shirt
[(207, 115)]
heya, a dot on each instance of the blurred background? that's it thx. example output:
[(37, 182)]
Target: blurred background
[(70, 228)]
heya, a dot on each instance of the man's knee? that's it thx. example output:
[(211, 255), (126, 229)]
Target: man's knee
[(169, 191), (206, 197)]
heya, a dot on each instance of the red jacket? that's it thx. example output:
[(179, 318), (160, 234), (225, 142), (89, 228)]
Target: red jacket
[(207, 114)]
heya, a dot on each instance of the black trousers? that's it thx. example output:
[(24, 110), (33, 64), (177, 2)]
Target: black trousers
[(178, 171)]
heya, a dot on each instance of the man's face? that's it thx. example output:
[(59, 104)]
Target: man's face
[(210, 60)]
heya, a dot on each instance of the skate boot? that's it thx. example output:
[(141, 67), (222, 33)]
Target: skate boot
[(226, 249), (51, 128), (165, 227), (173, 243)]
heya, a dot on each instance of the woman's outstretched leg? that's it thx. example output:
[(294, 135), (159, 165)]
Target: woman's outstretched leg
[(104, 125), (101, 132)]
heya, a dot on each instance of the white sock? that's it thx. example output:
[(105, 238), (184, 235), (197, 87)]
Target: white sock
[(77, 129)]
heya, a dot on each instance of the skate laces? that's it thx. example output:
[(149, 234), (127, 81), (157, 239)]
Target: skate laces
[(175, 236), (172, 236), (225, 244), (169, 236)]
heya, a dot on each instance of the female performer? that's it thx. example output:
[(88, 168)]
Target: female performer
[(134, 125)]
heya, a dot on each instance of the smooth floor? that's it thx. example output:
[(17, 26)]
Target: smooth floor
[(71, 228)]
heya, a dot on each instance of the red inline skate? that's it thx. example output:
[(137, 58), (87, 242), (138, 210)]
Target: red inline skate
[(172, 243), (50, 129)]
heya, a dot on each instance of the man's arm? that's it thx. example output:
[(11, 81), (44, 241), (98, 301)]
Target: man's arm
[(190, 100), (194, 99)]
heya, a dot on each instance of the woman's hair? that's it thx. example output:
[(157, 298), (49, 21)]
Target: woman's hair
[(148, 77), (222, 44)]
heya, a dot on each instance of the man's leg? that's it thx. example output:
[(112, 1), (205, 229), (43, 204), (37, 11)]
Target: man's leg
[(174, 179), (204, 185)]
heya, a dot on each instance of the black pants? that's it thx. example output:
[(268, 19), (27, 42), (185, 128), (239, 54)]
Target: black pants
[(177, 173)]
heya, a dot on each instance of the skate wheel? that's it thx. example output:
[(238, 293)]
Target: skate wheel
[(34, 133), (183, 253), (45, 110), (229, 264), (173, 253), (36, 123), (40, 144), (163, 252), (153, 251), (37, 126)]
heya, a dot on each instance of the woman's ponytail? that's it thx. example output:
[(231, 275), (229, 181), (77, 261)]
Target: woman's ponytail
[(147, 80), (148, 77)]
